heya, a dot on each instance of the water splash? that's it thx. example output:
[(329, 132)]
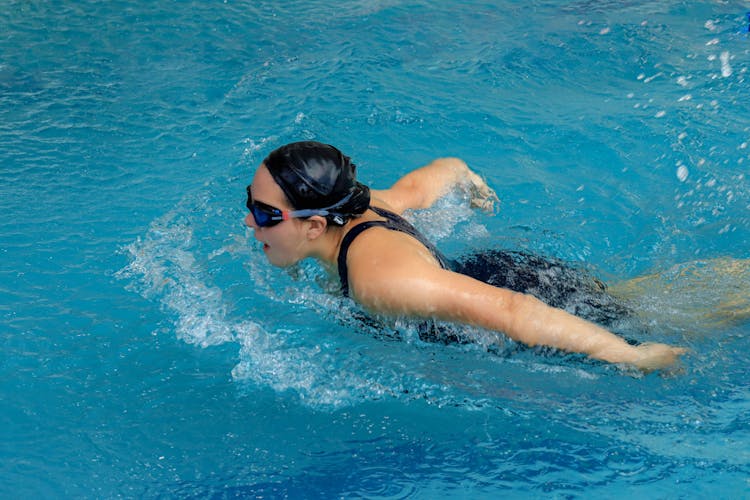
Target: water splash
[(164, 267)]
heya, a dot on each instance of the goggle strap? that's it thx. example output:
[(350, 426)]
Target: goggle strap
[(306, 212), (323, 212)]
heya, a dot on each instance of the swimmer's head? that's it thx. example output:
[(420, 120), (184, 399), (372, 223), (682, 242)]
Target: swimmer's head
[(313, 175)]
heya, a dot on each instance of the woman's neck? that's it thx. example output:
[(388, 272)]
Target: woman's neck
[(328, 250)]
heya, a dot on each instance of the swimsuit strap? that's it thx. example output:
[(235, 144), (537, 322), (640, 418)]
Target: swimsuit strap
[(393, 222), (348, 238)]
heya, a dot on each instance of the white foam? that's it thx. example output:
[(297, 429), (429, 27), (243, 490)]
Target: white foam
[(163, 266)]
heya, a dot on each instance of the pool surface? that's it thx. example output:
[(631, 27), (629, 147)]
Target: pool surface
[(149, 350)]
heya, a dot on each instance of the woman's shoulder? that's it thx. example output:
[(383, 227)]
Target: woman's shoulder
[(379, 257), (387, 199)]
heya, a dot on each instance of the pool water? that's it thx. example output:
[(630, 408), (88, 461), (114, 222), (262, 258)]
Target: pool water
[(149, 350)]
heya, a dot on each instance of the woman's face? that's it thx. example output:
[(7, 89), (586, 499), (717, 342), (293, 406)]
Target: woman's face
[(284, 243)]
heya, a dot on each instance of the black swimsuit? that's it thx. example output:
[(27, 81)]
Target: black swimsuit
[(555, 282)]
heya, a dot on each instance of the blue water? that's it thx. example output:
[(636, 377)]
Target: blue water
[(149, 350)]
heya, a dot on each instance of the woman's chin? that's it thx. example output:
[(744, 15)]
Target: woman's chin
[(275, 261)]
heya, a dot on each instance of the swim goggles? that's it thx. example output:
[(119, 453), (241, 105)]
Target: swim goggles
[(268, 216)]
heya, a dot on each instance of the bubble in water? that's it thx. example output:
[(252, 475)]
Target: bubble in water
[(682, 173), (726, 69)]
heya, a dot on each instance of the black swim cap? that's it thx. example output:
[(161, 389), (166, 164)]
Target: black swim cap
[(317, 175)]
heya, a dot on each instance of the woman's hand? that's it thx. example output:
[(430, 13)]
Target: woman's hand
[(653, 356), (482, 196)]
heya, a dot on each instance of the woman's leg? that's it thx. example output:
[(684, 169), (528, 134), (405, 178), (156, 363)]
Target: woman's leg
[(701, 295)]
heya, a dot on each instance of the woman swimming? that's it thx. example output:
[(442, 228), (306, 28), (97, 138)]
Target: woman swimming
[(305, 201)]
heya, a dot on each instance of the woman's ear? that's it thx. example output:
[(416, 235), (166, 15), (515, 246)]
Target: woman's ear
[(316, 226)]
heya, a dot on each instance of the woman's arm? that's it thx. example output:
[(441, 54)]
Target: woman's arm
[(422, 187), (414, 287)]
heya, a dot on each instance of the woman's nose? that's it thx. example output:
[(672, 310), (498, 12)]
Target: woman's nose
[(250, 221)]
